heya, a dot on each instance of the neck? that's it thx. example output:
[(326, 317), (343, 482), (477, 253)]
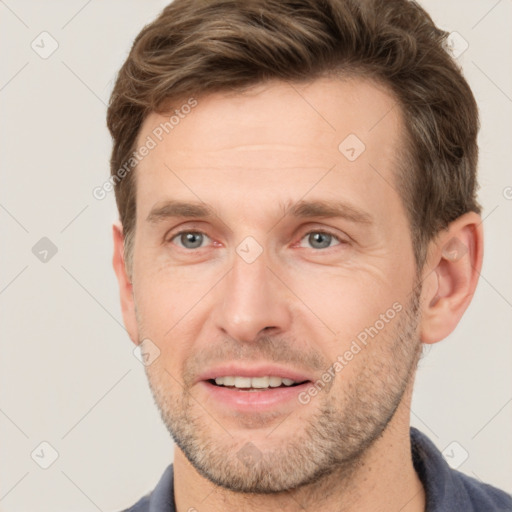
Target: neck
[(383, 480)]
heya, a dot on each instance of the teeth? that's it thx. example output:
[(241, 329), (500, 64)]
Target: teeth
[(253, 382), (274, 382), (260, 382), (242, 382)]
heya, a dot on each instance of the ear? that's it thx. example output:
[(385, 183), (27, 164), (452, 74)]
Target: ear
[(125, 285), (450, 276)]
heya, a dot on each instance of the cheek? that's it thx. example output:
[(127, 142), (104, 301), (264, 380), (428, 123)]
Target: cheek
[(171, 312), (344, 302), (166, 296)]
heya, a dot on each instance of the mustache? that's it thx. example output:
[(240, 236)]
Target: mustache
[(276, 349)]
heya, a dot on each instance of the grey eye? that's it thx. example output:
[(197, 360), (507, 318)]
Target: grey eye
[(190, 239), (319, 240)]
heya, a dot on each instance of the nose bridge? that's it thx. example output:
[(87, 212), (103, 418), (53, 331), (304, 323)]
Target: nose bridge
[(253, 299)]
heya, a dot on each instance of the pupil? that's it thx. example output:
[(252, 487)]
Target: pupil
[(320, 240), (191, 240)]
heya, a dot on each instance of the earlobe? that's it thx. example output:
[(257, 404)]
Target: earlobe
[(451, 276), (124, 282)]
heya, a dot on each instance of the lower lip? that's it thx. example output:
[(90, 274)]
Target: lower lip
[(254, 401)]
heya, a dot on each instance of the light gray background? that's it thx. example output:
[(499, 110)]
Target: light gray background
[(68, 374)]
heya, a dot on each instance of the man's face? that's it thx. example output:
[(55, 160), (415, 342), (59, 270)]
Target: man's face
[(269, 287)]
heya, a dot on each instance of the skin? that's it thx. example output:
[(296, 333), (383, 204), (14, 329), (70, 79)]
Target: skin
[(248, 156)]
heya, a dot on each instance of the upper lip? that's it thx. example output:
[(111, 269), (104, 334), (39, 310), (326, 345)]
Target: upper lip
[(261, 370)]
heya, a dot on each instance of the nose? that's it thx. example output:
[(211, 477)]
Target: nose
[(251, 299)]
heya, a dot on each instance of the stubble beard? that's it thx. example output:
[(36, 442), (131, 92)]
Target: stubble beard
[(334, 439)]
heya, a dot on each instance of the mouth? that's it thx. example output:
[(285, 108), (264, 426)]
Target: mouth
[(260, 387), (249, 391), (255, 384)]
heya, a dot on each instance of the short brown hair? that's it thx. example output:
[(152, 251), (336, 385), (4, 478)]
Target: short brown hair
[(196, 47)]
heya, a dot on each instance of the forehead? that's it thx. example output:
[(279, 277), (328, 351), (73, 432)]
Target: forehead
[(321, 112), (274, 133)]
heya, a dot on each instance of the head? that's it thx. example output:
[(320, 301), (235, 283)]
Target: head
[(310, 210)]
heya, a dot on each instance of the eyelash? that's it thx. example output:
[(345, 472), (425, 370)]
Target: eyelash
[(317, 231)]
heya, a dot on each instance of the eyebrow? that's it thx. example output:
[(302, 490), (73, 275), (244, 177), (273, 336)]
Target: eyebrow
[(302, 209), (173, 208), (329, 209)]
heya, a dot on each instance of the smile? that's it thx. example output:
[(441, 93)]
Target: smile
[(253, 383)]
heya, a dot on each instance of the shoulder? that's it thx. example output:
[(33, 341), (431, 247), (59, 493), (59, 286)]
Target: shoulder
[(141, 506), (447, 489), (484, 496), (161, 498)]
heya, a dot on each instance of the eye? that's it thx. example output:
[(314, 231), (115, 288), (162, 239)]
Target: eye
[(189, 239), (321, 239)]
